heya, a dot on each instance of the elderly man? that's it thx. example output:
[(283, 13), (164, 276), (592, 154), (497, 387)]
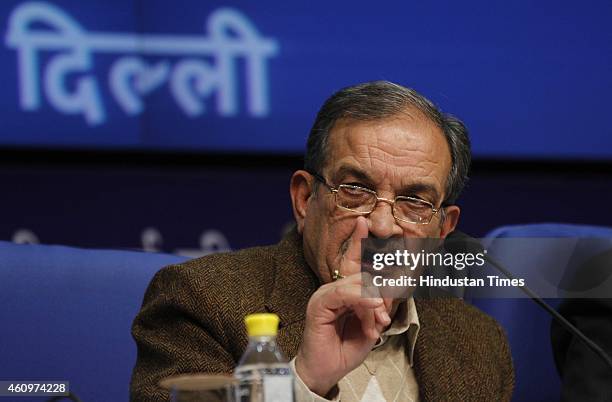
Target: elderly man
[(381, 162)]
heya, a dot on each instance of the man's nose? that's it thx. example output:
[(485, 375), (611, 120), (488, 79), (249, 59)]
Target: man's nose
[(381, 222)]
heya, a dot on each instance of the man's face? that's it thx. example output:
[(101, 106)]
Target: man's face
[(402, 155)]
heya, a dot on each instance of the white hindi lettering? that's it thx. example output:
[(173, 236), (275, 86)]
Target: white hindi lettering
[(133, 71), (207, 65)]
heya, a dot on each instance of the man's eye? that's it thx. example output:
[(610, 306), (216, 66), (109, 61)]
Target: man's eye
[(355, 192), (355, 189), (358, 185), (416, 197), (419, 200)]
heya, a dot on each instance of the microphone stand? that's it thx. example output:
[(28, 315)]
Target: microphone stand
[(460, 242), (555, 314)]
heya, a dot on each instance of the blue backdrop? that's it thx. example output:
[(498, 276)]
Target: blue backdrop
[(531, 79)]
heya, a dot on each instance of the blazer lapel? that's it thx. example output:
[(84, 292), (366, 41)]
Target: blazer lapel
[(293, 284), (446, 365)]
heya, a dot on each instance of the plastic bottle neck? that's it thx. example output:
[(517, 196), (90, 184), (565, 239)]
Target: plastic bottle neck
[(262, 338)]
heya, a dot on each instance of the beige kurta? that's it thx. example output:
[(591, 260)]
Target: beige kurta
[(386, 375)]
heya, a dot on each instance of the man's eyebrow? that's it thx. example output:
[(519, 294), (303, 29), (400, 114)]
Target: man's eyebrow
[(408, 190), (358, 174), (421, 188)]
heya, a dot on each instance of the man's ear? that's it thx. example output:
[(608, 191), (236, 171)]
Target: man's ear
[(300, 190), (451, 219)]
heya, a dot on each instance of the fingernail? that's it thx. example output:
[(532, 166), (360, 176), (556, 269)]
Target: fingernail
[(386, 317)]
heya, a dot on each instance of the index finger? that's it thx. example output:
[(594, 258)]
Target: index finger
[(351, 259)]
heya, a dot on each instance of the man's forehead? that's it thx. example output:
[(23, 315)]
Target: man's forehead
[(396, 135), (410, 149), (407, 122)]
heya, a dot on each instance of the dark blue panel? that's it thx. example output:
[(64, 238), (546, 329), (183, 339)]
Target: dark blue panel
[(529, 78)]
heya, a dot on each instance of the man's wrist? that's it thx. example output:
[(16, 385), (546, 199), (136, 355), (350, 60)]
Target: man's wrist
[(321, 388)]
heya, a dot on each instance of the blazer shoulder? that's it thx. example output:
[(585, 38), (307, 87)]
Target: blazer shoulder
[(216, 290), (228, 281), (227, 270)]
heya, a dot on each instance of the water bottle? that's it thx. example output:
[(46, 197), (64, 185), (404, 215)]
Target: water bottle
[(263, 372)]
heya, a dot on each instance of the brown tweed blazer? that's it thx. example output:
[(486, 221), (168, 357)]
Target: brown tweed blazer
[(192, 321)]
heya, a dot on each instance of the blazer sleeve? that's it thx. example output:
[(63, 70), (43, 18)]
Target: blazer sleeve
[(175, 334)]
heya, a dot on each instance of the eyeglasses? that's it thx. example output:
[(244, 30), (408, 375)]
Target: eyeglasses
[(363, 201)]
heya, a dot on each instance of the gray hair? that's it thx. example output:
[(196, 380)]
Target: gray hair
[(380, 99)]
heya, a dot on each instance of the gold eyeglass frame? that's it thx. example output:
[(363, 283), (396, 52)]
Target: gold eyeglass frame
[(335, 191)]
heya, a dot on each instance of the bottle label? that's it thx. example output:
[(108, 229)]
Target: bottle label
[(278, 388)]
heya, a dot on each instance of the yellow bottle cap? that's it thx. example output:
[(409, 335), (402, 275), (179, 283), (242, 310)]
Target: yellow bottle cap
[(264, 324)]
